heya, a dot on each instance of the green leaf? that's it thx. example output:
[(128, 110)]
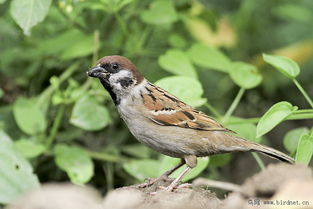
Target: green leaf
[(89, 115), (160, 12), (75, 162), (246, 131), (291, 139), (79, 49), (177, 41), (16, 173), (220, 160), (168, 162), (295, 12), (145, 168), (305, 149), (1, 92), (188, 90), (2, 1), (63, 43), (142, 169), (177, 62), (285, 65), (137, 150), (29, 13), (209, 57), (275, 115), (245, 75), (29, 148), (29, 118)]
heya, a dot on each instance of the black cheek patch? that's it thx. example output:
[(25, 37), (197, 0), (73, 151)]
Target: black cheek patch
[(125, 82)]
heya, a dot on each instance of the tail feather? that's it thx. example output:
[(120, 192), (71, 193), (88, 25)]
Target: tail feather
[(272, 153), (245, 145)]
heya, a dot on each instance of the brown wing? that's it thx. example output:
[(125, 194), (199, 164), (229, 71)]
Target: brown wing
[(167, 110)]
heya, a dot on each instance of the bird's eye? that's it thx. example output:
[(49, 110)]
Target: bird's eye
[(115, 66)]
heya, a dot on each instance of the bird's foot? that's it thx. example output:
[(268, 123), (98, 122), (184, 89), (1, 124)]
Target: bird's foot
[(171, 188), (151, 181)]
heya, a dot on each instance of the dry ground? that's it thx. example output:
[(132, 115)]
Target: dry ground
[(267, 189)]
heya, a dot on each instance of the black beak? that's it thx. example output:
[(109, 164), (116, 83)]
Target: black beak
[(98, 72)]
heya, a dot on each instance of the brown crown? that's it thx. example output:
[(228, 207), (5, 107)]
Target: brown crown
[(124, 63)]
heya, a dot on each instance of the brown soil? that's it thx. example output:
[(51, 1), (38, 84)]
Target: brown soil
[(279, 186)]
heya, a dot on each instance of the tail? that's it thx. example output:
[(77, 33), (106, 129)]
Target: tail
[(235, 143), (273, 153)]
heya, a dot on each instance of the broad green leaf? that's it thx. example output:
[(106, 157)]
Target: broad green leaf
[(113, 6), (177, 62), (177, 41), (291, 12), (16, 173), (275, 115), (209, 57), (29, 148), (63, 43), (75, 162), (137, 150), (285, 65), (291, 139), (29, 118), (4, 138), (142, 169), (168, 162), (305, 149), (29, 13), (246, 131), (160, 12), (145, 168), (245, 75), (188, 90), (220, 160), (89, 115), (80, 49), (1, 92)]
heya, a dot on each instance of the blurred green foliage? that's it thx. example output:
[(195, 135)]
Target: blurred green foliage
[(58, 125)]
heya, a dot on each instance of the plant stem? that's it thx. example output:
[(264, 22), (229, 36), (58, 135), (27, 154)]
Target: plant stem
[(258, 160), (96, 46), (44, 96), (121, 22), (303, 111), (306, 96), (71, 21), (55, 126), (298, 115), (104, 156), (233, 105), (213, 110)]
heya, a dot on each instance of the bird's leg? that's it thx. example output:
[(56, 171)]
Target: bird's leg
[(191, 162), (163, 176), (174, 184)]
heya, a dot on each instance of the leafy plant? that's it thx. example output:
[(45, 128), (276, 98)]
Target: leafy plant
[(57, 125)]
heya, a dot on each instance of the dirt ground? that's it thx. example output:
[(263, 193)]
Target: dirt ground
[(279, 186)]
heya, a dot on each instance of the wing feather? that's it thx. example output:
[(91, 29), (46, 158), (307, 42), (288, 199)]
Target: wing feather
[(167, 110)]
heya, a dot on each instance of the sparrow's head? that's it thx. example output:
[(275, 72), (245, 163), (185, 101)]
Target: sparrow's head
[(117, 74)]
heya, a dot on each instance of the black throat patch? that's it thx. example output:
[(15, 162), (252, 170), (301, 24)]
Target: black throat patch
[(107, 87)]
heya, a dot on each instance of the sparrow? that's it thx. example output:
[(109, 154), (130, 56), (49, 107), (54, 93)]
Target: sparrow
[(166, 124)]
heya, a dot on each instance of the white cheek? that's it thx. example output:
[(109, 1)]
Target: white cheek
[(117, 76), (114, 79)]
